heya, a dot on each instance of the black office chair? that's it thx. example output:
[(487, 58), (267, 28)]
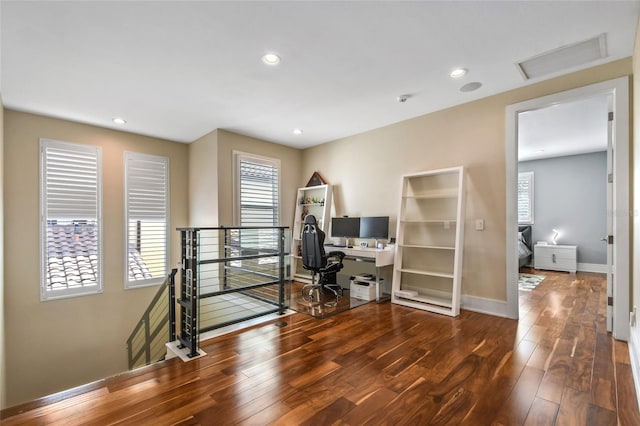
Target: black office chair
[(317, 261)]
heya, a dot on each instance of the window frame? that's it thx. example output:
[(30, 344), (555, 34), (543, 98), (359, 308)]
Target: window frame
[(237, 195), (529, 177), (133, 284), (45, 293)]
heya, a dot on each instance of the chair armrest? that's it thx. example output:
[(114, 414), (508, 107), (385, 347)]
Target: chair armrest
[(340, 255)]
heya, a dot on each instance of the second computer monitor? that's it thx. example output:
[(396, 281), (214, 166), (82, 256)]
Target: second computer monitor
[(374, 227)]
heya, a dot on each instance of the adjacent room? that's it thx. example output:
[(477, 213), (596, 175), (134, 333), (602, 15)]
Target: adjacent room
[(563, 164), (314, 212)]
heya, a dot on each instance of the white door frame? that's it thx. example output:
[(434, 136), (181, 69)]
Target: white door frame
[(611, 220), (619, 88)]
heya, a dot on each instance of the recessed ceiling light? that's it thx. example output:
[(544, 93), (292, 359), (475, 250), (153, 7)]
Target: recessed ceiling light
[(470, 87), (458, 72), (297, 131), (539, 151), (119, 120), (271, 59)]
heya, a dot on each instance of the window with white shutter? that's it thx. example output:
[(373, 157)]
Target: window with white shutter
[(146, 219), (70, 216), (257, 203), (258, 190), (525, 198)]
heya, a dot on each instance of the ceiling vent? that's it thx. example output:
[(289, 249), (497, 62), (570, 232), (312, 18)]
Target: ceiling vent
[(564, 58)]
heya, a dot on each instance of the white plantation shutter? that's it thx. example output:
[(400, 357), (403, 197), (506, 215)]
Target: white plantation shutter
[(147, 218), (259, 195), (70, 214), (525, 198)]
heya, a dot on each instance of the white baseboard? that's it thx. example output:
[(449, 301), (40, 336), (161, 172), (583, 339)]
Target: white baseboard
[(634, 354), (482, 305), (592, 267)]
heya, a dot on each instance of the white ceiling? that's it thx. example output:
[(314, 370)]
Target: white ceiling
[(576, 127), (178, 69)]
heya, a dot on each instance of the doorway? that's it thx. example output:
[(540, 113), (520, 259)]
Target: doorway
[(618, 91)]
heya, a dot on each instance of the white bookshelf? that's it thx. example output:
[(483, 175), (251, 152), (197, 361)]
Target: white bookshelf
[(428, 260), (315, 200)]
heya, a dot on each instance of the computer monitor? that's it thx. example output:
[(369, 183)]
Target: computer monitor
[(345, 227), (374, 227)]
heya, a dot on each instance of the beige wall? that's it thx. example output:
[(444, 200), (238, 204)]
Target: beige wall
[(3, 322), (59, 344), (366, 169), (203, 180), (290, 180)]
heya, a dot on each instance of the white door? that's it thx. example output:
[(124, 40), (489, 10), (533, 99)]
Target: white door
[(608, 239)]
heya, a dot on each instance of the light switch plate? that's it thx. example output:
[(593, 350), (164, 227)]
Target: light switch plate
[(479, 224)]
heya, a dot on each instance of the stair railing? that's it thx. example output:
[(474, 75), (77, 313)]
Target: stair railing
[(146, 344), (230, 275)]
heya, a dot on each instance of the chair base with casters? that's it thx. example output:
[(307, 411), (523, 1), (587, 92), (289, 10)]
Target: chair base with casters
[(326, 286)]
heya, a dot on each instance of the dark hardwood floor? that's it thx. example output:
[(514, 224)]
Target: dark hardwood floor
[(383, 364)]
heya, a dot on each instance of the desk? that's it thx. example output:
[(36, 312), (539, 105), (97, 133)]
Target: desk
[(381, 257)]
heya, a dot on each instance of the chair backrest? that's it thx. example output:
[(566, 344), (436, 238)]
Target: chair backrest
[(313, 255)]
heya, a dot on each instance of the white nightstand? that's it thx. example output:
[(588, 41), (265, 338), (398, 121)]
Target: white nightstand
[(555, 257)]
